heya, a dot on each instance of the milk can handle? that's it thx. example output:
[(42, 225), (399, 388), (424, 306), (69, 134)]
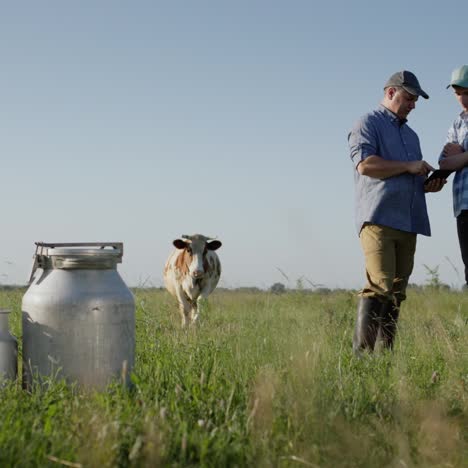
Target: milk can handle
[(40, 246)]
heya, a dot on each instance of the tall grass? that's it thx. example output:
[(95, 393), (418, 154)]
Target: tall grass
[(264, 380)]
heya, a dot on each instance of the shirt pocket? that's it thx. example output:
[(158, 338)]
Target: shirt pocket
[(390, 146), (413, 151)]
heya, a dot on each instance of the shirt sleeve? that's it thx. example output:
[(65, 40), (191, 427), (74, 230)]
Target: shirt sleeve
[(451, 138), (362, 141)]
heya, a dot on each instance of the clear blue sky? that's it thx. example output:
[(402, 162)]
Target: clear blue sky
[(141, 121)]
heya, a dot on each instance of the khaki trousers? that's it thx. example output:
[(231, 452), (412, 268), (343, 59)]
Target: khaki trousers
[(389, 256)]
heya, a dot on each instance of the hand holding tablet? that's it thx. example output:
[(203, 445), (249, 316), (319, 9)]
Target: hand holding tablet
[(438, 174)]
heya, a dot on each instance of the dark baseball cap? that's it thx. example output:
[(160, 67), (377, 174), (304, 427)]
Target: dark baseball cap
[(408, 81)]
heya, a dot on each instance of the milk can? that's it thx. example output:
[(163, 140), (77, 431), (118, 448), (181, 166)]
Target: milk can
[(8, 349), (78, 315)]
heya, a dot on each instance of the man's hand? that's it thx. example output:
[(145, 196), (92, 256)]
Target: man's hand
[(421, 168), (435, 185), (451, 149)]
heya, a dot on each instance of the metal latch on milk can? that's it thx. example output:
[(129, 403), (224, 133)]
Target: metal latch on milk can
[(42, 255)]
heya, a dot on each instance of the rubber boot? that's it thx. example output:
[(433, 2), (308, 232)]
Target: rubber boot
[(367, 324), (389, 320)]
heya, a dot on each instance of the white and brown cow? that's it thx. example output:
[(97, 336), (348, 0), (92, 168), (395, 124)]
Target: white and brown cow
[(192, 272)]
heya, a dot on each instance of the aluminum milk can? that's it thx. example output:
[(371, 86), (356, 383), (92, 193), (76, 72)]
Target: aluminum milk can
[(8, 349), (78, 315)]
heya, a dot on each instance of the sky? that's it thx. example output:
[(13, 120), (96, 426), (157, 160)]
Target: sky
[(142, 121)]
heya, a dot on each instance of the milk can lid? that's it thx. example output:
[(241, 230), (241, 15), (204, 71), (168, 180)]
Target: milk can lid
[(78, 255), (113, 249), (79, 252)]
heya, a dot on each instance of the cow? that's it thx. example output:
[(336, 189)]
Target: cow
[(191, 273)]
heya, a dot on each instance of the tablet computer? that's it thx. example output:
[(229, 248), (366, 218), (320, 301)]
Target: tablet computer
[(438, 174)]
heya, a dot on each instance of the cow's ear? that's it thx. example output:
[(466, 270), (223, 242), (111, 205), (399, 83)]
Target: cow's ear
[(179, 244), (215, 245)]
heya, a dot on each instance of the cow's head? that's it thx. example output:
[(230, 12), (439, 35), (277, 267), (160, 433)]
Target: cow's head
[(196, 248)]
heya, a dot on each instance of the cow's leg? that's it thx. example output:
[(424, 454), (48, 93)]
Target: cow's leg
[(201, 305), (184, 309), (194, 312), (183, 315)]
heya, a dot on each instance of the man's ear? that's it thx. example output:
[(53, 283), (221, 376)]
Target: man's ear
[(391, 91)]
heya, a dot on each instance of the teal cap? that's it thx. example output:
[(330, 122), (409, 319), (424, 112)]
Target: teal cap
[(460, 77)]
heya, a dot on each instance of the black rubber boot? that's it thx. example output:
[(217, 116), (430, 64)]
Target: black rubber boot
[(389, 320), (367, 324)]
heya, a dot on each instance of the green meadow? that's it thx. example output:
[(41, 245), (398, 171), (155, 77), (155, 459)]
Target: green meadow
[(264, 380)]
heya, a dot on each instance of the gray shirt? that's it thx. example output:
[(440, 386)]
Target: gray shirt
[(399, 201)]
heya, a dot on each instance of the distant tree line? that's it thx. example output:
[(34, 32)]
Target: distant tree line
[(277, 288), (11, 287)]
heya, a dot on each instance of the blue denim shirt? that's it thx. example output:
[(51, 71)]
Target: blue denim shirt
[(399, 201)]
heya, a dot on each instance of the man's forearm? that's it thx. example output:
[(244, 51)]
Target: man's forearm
[(455, 162), (379, 168)]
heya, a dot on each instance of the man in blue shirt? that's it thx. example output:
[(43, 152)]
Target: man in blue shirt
[(390, 206), (455, 158)]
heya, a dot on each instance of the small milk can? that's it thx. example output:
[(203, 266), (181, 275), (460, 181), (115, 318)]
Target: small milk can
[(8, 349), (78, 315)]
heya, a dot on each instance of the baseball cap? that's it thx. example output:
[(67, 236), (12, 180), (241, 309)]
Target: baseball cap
[(460, 77), (408, 82)]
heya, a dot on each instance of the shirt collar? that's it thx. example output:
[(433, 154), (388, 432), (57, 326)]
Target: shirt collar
[(392, 116)]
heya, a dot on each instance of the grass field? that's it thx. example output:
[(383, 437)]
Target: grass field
[(264, 380)]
